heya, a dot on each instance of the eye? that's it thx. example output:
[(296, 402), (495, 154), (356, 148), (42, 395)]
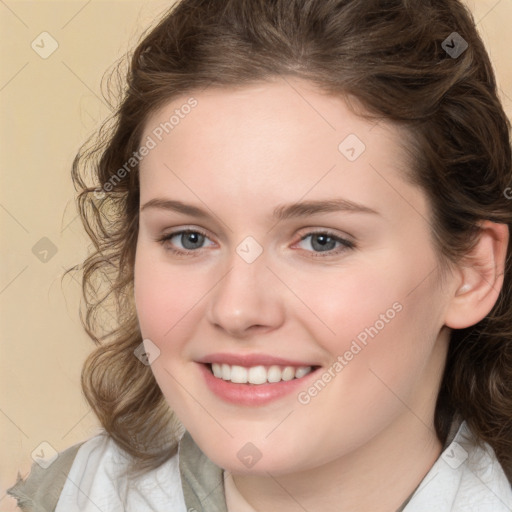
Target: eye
[(325, 242), (184, 241)]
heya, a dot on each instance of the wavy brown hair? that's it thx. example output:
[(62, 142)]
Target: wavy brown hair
[(388, 54)]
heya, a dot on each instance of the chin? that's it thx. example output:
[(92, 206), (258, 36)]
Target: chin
[(246, 457)]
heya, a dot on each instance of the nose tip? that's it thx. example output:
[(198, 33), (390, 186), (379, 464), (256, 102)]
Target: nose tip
[(246, 300), (239, 327)]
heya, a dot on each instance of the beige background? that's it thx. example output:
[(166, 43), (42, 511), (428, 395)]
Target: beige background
[(49, 106)]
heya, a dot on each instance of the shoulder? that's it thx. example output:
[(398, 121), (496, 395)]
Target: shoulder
[(97, 477), (467, 477), (41, 489), (484, 485), (91, 473)]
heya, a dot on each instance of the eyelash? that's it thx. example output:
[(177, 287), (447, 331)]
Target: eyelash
[(180, 252), (345, 244)]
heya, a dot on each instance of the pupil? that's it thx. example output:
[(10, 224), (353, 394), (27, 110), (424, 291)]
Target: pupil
[(323, 242), (191, 240)]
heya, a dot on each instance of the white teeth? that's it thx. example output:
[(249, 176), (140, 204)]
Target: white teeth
[(226, 372), (258, 374), (274, 374), (238, 374), (303, 370), (288, 373), (217, 370)]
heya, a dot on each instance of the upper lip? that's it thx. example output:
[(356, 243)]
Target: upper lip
[(251, 360)]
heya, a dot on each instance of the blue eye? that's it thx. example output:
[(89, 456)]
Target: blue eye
[(190, 241), (325, 242)]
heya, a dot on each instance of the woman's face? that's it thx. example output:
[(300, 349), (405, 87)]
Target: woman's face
[(307, 251)]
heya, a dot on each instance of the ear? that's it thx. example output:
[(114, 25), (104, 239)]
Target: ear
[(480, 277)]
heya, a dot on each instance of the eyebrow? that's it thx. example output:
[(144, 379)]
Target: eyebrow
[(280, 213), (305, 208)]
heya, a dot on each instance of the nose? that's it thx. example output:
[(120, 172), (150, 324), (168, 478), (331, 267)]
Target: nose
[(247, 299)]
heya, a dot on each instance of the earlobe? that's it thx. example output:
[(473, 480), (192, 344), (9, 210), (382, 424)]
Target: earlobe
[(481, 277)]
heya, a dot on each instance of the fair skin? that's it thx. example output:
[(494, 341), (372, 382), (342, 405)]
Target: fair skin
[(366, 440)]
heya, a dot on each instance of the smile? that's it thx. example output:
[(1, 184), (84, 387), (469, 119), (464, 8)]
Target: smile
[(258, 374), (255, 385)]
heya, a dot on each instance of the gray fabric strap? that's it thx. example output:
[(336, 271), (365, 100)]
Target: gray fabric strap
[(201, 479), (40, 491)]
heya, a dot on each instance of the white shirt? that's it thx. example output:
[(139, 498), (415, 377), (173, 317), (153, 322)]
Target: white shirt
[(94, 484), (465, 478)]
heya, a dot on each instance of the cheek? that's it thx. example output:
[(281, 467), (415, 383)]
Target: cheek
[(381, 320), (342, 305), (384, 338), (168, 304), (378, 298), (166, 296)]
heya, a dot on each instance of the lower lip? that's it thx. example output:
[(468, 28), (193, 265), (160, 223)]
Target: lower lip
[(251, 394)]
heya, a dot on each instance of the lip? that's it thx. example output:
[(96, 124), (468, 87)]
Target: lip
[(248, 360), (253, 395)]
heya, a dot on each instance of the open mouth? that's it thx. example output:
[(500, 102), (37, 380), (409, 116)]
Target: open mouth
[(260, 374)]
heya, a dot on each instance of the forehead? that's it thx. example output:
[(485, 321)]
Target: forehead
[(283, 105), (261, 137)]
